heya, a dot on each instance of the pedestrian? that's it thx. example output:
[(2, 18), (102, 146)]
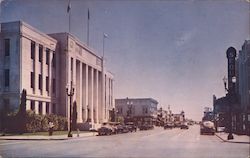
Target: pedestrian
[(78, 132), (51, 125)]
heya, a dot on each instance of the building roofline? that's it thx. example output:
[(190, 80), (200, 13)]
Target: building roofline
[(139, 99), (90, 50), (22, 23)]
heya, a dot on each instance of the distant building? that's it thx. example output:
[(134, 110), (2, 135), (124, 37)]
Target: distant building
[(140, 110), (244, 84), (220, 110), (44, 65)]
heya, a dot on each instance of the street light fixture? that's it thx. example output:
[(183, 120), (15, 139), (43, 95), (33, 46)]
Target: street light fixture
[(225, 83), (70, 93), (231, 95)]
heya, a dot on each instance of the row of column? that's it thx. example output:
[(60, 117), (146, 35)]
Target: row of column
[(88, 93)]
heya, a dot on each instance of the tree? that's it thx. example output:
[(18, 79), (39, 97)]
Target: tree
[(74, 116), (3, 116), (21, 115)]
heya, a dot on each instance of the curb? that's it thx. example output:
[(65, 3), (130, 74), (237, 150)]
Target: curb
[(229, 141), (32, 139), (46, 139)]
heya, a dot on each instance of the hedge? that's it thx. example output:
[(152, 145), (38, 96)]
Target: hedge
[(33, 122)]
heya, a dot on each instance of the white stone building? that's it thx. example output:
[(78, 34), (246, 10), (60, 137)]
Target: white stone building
[(44, 65)]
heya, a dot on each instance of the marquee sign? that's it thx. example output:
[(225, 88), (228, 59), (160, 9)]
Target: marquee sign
[(231, 55)]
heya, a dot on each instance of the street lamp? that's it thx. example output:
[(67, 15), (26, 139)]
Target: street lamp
[(225, 83), (70, 93), (231, 95)]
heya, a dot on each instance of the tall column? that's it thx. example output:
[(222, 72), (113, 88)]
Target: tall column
[(86, 92), (103, 92), (36, 107), (97, 97), (100, 103), (43, 108), (74, 79), (79, 90), (92, 95)]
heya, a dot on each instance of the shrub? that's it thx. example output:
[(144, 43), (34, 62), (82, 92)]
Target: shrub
[(62, 123), (34, 122)]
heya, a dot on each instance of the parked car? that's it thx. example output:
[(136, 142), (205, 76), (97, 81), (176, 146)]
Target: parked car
[(104, 131), (168, 126), (131, 126), (184, 126), (107, 128), (119, 129), (221, 129), (146, 127), (207, 127)]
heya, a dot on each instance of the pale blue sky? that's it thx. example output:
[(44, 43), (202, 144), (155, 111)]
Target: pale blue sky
[(172, 51)]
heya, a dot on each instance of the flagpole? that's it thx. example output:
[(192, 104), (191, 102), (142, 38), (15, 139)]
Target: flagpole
[(69, 12), (88, 28)]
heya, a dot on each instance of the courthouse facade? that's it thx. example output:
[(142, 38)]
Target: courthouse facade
[(45, 65)]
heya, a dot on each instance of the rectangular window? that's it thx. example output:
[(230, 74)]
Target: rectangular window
[(47, 83), (32, 105), (47, 56), (40, 53), (32, 50), (71, 64), (54, 86), (47, 108), (40, 107), (7, 77), (32, 80), (40, 82), (7, 47), (54, 60)]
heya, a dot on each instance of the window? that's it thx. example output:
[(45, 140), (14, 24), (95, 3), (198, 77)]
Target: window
[(71, 65), (32, 105), (47, 108), (54, 86), (7, 47), (40, 107), (40, 82), (7, 77), (32, 80), (47, 56), (54, 60), (47, 83), (40, 53), (32, 50)]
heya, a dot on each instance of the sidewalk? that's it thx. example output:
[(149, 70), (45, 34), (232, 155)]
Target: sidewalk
[(53, 137), (237, 138)]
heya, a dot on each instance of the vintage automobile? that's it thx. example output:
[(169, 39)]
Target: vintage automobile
[(104, 131), (146, 127), (168, 125), (131, 126), (184, 126), (107, 128), (207, 127)]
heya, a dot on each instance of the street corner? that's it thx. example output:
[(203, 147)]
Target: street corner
[(241, 139)]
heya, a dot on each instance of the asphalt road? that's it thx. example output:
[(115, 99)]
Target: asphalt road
[(175, 143)]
